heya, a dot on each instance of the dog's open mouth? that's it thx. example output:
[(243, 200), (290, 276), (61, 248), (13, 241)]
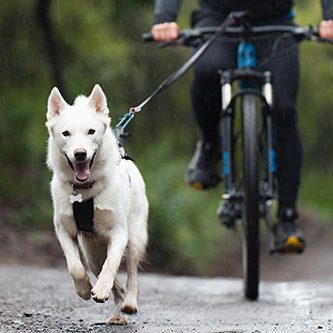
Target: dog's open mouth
[(82, 169)]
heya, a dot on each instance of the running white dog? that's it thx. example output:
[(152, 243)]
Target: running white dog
[(88, 167)]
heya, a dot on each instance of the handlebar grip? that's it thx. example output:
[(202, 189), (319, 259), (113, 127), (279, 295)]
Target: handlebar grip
[(147, 37)]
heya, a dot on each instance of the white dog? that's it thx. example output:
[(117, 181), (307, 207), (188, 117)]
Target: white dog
[(88, 167)]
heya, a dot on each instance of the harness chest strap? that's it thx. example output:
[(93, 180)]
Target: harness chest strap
[(84, 215)]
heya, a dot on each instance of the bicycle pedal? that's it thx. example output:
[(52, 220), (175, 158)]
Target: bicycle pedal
[(228, 223)]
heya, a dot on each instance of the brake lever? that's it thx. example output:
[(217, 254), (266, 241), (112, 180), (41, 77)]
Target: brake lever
[(313, 33)]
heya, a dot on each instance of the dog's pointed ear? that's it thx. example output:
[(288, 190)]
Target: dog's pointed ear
[(56, 103), (98, 101)]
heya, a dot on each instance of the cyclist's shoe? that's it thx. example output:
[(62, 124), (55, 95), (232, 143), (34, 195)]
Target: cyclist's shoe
[(288, 237), (203, 170)]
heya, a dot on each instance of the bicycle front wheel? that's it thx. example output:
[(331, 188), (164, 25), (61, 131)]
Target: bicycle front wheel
[(250, 213)]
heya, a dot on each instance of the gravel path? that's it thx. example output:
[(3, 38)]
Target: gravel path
[(36, 299)]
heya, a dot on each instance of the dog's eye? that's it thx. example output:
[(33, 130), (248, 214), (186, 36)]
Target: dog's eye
[(66, 133), (91, 131)]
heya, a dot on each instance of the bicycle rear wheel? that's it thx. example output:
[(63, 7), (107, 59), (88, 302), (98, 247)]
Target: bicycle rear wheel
[(250, 213)]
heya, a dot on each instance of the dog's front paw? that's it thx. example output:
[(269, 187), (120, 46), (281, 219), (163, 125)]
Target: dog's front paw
[(100, 293), (117, 320), (83, 287)]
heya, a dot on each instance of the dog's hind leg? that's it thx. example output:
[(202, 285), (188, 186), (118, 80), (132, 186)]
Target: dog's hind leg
[(130, 303), (118, 292), (118, 318), (135, 252)]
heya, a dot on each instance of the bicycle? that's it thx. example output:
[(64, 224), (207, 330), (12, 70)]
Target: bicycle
[(250, 192)]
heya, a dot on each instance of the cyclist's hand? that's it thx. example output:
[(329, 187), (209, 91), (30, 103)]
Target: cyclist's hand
[(165, 32), (326, 29)]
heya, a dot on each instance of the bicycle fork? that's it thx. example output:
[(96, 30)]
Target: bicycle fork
[(228, 98)]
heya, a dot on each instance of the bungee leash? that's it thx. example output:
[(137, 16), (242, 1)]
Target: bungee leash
[(126, 119)]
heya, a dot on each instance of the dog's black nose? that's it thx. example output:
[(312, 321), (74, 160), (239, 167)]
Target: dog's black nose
[(80, 154)]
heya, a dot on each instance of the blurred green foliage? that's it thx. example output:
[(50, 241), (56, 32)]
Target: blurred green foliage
[(100, 41)]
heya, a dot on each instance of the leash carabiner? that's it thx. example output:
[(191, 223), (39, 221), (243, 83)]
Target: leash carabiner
[(119, 130)]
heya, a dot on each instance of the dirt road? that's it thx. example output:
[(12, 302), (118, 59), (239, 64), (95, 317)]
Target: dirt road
[(43, 300)]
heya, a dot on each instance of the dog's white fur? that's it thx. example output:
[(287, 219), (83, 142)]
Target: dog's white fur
[(121, 206)]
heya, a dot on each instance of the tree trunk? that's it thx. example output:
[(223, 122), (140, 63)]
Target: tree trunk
[(50, 41)]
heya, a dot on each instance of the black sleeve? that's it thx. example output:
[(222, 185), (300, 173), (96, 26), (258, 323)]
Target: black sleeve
[(166, 10), (327, 9)]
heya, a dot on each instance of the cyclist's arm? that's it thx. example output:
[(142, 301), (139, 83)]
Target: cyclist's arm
[(326, 26), (327, 6), (166, 10), (165, 27)]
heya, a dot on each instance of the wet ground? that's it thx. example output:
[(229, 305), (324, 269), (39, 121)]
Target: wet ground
[(36, 299), (297, 295)]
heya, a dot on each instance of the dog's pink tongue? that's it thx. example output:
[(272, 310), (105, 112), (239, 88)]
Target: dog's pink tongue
[(82, 171)]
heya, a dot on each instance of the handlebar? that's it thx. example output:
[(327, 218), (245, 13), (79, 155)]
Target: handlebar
[(193, 37)]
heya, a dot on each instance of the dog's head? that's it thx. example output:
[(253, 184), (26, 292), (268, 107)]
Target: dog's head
[(77, 130)]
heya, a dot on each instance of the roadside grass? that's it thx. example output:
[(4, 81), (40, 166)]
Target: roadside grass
[(317, 193)]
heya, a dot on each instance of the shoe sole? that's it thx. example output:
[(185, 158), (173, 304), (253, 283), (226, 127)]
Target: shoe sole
[(197, 185), (293, 245)]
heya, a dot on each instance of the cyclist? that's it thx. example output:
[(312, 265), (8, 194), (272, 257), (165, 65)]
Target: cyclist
[(203, 169)]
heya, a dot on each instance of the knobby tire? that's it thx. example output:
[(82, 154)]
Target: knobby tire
[(250, 218)]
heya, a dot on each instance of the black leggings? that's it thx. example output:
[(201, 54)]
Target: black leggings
[(206, 100)]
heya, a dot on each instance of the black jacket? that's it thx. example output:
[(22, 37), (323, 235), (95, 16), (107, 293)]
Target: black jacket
[(167, 10)]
